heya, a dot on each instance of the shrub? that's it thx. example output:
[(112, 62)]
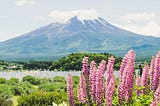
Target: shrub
[(5, 91), (59, 79), (31, 79), (13, 81), (53, 87), (22, 88), (41, 98), (3, 80)]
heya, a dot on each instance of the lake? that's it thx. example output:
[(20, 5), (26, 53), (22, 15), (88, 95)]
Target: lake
[(41, 74)]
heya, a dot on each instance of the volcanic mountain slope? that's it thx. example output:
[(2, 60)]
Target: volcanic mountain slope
[(94, 35)]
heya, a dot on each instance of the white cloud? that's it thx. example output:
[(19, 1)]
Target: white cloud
[(142, 23), (64, 16), (39, 18), (141, 16), (25, 2)]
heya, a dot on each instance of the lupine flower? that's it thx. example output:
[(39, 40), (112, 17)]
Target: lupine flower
[(70, 91), (102, 67), (151, 73), (82, 95), (144, 79), (100, 82), (109, 71), (122, 66), (156, 73), (110, 91), (85, 66), (127, 79), (92, 78), (138, 83), (156, 100)]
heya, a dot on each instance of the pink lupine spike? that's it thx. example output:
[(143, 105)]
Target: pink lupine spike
[(138, 83), (93, 66), (85, 68), (144, 79), (70, 91), (156, 72), (151, 73), (127, 79), (92, 76), (102, 67), (99, 84), (82, 95), (109, 71), (156, 100), (110, 91)]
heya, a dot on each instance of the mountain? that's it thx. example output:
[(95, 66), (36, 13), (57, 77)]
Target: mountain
[(91, 35)]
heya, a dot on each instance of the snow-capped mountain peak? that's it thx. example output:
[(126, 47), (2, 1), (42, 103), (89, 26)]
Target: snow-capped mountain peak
[(65, 16)]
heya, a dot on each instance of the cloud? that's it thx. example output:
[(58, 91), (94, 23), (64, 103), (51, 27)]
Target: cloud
[(142, 23), (25, 2), (39, 18), (141, 16), (64, 16)]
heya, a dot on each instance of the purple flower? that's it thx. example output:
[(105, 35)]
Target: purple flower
[(127, 79), (85, 66), (82, 95), (138, 83), (70, 91), (110, 91), (144, 78), (151, 73), (156, 72)]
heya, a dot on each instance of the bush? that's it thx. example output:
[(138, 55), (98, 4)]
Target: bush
[(41, 98), (45, 80), (5, 91), (31, 79), (59, 79), (53, 87), (3, 80), (13, 81), (22, 88)]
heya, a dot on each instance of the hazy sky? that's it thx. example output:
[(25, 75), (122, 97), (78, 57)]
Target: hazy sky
[(18, 17)]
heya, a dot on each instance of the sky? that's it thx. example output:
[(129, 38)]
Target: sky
[(18, 17)]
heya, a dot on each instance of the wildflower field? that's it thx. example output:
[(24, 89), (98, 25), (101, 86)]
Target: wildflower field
[(129, 90)]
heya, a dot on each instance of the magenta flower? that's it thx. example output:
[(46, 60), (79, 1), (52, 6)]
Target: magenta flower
[(70, 91), (85, 66), (127, 79), (99, 84), (122, 66), (156, 72), (156, 100), (82, 95), (138, 83), (102, 67), (109, 71), (92, 78), (110, 91), (151, 73), (144, 79)]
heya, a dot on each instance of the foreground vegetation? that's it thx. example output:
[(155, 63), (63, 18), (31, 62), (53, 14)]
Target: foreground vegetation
[(92, 88), (35, 91), (130, 90)]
